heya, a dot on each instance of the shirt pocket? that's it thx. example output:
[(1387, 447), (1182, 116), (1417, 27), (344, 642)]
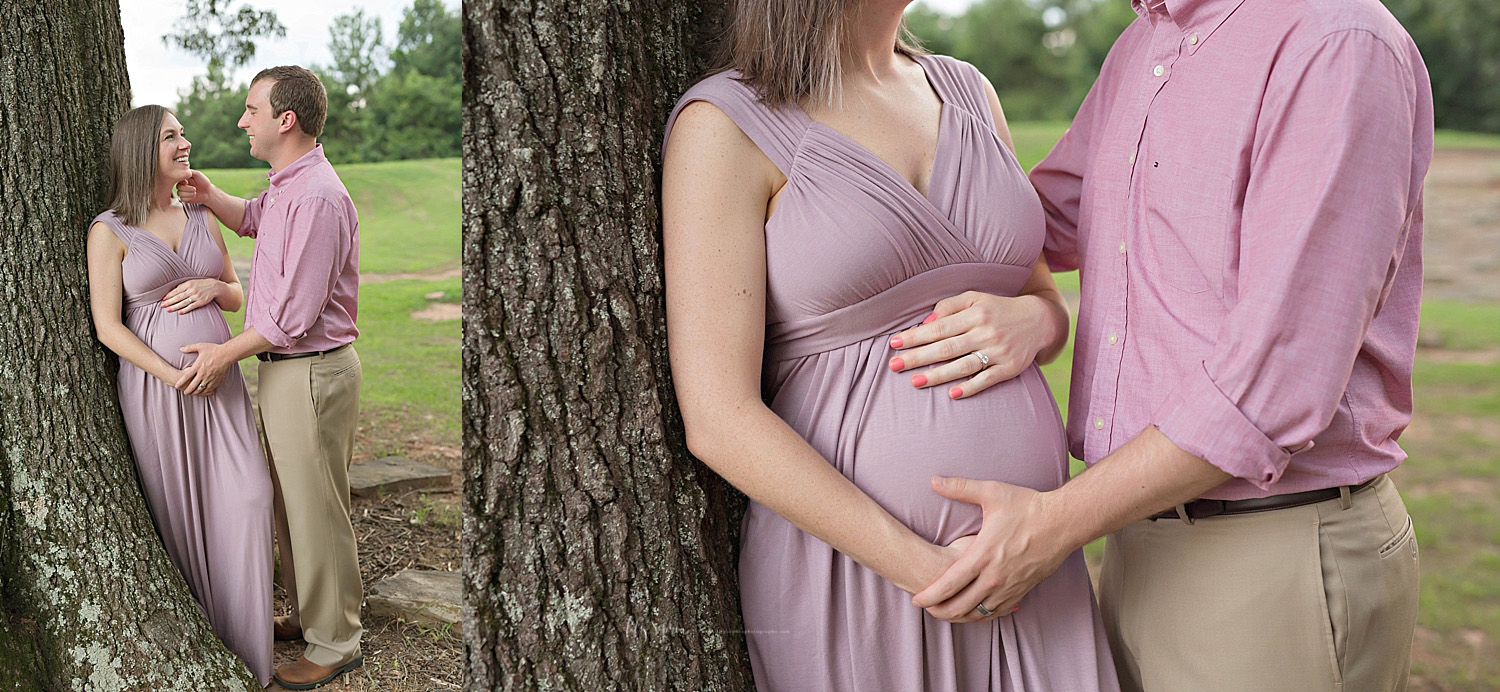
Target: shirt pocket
[(1187, 225)]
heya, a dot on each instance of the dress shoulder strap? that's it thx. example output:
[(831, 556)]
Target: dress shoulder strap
[(777, 131), (112, 221), (961, 85)]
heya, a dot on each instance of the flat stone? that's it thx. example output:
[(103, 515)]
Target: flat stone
[(391, 474), (419, 595)]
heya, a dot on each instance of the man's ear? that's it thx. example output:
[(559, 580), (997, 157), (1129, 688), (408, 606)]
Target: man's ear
[(288, 122)]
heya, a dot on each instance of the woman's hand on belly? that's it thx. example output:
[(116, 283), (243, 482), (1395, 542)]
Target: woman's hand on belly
[(1007, 333)]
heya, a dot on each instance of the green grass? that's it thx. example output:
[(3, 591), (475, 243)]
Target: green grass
[(409, 212), (1451, 139), (1035, 139), (409, 223), (410, 366)]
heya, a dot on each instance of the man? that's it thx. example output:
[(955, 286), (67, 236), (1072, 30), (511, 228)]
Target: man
[(1241, 190), (299, 322)]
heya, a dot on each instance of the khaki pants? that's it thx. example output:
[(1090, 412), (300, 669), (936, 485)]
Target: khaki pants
[(309, 408), (1304, 599)]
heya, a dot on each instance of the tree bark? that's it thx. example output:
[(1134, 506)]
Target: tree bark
[(597, 554), (91, 601)]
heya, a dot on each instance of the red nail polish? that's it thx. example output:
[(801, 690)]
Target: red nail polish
[(930, 318), (919, 380), (895, 342), (955, 393), (897, 365)]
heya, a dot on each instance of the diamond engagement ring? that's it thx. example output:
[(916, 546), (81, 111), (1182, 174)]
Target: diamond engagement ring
[(984, 360), (986, 612)]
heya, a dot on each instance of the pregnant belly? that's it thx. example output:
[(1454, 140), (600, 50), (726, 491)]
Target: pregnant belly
[(890, 439), (166, 333)]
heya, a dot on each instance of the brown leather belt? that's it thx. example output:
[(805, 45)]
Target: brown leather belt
[(1202, 509), (265, 356)]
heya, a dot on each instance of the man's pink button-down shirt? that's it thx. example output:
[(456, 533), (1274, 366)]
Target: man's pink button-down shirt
[(304, 277), (1242, 192)]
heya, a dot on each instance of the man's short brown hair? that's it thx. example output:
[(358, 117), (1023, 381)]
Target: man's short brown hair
[(300, 91)]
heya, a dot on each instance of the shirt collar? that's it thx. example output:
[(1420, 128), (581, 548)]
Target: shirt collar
[(304, 162), (1193, 17)]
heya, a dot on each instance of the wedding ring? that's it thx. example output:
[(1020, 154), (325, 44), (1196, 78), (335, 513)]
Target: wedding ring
[(986, 612), (984, 360)]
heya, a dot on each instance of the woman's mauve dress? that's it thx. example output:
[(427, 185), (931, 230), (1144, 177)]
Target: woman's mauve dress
[(199, 458), (854, 254)]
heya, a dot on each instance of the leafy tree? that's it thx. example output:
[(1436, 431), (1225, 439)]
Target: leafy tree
[(429, 41), (1460, 42), (358, 50), (413, 115), (210, 115), (224, 38)]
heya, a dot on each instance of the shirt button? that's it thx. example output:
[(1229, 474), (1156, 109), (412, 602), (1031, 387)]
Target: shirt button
[(1122, 247), (1113, 338), (1098, 423), (1193, 40), (1132, 158), (1159, 71)]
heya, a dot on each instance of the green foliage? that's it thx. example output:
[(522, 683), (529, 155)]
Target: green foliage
[(358, 50), (210, 114), (428, 41), (223, 38), (1460, 42), (1042, 57), (405, 105)]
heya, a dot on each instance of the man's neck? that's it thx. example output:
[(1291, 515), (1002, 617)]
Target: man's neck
[(289, 156)]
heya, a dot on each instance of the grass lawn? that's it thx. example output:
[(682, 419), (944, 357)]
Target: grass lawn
[(409, 212), (409, 223)]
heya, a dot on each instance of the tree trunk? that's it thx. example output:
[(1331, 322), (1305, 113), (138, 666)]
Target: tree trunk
[(90, 599), (597, 554)]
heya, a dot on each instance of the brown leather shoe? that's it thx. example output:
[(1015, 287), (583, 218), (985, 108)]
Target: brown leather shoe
[(283, 629), (303, 674)]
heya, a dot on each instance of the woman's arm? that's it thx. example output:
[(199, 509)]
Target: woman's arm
[(106, 291), (196, 293), (715, 189), (1012, 332)]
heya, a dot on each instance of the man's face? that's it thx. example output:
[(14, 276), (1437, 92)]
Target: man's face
[(263, 127)]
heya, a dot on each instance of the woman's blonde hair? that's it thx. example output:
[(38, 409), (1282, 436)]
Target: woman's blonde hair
[(132, 162), (791, 51)]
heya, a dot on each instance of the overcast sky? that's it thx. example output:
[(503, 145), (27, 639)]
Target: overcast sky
[(157, 72)]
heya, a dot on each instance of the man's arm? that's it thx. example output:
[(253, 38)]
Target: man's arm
[(1325, 216), (206, 373), (232, 211)]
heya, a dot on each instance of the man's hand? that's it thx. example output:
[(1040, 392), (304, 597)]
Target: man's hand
[(1012, 553), (1010, 332), (195, 190), (207, 372), (191, 295)]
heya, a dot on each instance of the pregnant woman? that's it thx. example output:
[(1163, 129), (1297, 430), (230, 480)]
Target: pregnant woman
[(820, 195), (155, 263)]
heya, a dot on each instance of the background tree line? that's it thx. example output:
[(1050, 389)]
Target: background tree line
[(1042, 55), (384, 102)]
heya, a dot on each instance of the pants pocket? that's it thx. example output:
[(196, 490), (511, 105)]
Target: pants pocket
[(1407, 536)]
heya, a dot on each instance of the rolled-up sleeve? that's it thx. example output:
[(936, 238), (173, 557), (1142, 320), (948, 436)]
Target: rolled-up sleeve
[(1326, 213), (317, 247)]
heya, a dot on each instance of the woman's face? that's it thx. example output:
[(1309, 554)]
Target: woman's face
[(172, 152)]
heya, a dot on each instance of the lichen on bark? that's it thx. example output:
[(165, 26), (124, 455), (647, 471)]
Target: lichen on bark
[(90, 600), (598, 554)]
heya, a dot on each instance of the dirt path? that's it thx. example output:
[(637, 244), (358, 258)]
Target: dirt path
[(1462, 230)]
